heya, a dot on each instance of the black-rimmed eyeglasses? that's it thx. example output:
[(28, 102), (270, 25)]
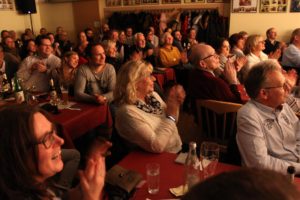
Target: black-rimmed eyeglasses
[(212, 55)]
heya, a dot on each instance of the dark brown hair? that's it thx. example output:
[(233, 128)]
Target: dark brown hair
[(18, 154)]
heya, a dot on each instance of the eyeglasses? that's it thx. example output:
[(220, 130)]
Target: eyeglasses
[(284, 86), (212, 55), (48, 139)]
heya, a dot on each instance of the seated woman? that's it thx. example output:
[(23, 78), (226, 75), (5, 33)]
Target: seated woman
[(31, 156), (28, 49), (223, 49), (142, 117), (95, 81), (68, 70), (237, 43)]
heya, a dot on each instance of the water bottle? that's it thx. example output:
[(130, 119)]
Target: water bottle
[(192, 167)]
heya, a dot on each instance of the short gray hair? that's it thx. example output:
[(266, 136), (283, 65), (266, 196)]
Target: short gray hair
[(257, 76)]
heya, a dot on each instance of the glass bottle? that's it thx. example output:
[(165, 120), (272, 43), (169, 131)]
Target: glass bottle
[(291, 173), (53, 93), (6, 88), (19, 93), (192, 166)]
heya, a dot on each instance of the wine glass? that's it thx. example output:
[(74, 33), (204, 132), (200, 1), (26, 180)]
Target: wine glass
[(209, 157)]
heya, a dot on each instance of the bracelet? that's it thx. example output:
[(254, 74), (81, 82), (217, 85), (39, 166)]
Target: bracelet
[(171, 118)]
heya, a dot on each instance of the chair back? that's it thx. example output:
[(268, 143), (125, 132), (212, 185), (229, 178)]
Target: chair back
[(217, 122), (217, 119)]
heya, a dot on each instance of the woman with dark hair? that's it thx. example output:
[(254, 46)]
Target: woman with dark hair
[(28, 49), (237, 43), (30, 155), (223, 50)]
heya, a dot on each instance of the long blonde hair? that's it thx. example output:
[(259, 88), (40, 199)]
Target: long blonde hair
[(129, 74)]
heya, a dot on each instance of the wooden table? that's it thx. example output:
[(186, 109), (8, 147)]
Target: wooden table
[(171, 173), (75, 123)]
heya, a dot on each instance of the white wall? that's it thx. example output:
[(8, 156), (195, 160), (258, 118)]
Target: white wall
[(258, 23)]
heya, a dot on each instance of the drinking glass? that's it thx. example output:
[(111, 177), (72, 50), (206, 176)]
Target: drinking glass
[(64, 88), (153, 171), (209, 156)]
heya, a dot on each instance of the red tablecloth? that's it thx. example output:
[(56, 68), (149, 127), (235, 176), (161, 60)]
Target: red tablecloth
[(171, 173), (75, 123)]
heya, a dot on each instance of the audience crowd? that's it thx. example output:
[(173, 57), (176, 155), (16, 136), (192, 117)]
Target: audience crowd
[(145, 78)]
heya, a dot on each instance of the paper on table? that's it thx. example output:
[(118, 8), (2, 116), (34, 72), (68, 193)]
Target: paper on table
[(179, 191), (63, 106)]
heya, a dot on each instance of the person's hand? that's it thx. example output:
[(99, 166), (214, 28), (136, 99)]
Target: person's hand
[(99, 147), (184, 58), (92, 178), (240, 62), (100, 99), (230, 73), (175, 98), (291, 78)]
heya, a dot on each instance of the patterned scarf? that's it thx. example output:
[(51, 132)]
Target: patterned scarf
[(152, 105)]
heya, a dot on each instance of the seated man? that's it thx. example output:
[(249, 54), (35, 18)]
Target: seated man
[(291, 56), (95, 81), (36, 71), (267, 128), (204, 84)]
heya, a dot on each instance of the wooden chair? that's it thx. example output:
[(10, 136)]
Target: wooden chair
[(217, 122)]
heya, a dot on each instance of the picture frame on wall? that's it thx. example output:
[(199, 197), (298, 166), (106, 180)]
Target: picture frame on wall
[(170, 1), (215, 1), (150, 1), (295, 6), (6, 5), (273, 6), (194, 1), (244, 6)]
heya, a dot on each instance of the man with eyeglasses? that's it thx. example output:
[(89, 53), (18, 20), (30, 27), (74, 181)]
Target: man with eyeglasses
[(36, 71), (267, 128), (203, 84)]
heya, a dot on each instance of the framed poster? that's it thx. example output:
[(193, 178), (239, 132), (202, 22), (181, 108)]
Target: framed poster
[(244, 6), (295, 6), (112, 3), (215, 1), (194, 1), (150, 1), (131, 2), (6, 5), (170, 1), (271, 6)]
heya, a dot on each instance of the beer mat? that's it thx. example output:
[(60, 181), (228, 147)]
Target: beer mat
[(178, 191), (66, 106)]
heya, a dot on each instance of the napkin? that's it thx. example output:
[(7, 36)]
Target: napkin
[(179, 191)]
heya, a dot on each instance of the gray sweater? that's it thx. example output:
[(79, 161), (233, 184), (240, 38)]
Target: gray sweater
[(88, 83)]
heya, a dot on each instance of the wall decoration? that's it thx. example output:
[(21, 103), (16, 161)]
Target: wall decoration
[(150, 1), (244, 6), (6, 5), (112, 2), (170, 1), (194, 1), (295, 6), (131, 2), (268, 6), (214, 1)]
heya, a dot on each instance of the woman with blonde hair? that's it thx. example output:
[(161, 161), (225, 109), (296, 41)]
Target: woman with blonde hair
[(143, 119), (254, 47)]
